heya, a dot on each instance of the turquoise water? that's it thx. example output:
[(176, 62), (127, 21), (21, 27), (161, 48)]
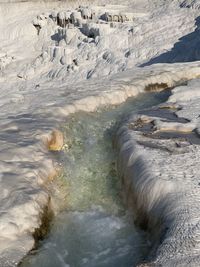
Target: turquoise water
[(95, 229)]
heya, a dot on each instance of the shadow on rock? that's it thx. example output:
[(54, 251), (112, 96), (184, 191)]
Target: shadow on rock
[(187, 49)]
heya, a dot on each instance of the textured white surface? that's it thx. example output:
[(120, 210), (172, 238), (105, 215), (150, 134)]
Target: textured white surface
[(162, 178), (25, 163), (38, 91)]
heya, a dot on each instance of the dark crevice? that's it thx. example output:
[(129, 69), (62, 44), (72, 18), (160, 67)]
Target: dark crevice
[(156, 87), (40, 233)]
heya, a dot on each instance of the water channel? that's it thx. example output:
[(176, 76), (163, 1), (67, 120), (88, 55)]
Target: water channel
[(94, 229)]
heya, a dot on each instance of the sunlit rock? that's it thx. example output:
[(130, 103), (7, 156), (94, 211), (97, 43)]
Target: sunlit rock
[(55, 141)]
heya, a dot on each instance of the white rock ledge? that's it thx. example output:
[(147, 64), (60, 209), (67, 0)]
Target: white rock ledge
[(161, 181)]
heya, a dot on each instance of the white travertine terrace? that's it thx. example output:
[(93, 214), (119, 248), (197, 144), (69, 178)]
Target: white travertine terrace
[(46, 77), (162, 178)]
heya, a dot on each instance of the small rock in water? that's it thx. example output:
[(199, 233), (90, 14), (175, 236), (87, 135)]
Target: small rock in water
[(56, 141)]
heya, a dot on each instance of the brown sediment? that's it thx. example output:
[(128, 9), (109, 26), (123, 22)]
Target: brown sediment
[(47, 213), (170, 106), (141, 125), (156, 87), (145, 122), (147, 130), (46, 217)]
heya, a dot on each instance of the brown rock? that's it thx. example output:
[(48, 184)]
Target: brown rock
[(56, 141)]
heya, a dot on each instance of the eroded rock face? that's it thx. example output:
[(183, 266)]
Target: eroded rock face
[(86, 33)]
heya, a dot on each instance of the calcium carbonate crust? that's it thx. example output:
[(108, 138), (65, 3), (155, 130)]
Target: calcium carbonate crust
[(39, 91), (161, 175)]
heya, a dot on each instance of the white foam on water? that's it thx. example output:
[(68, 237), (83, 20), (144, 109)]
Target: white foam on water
[(90, 239)]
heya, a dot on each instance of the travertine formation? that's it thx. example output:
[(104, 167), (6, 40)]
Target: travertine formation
[(82, 15), (159, 157), (58, 67)]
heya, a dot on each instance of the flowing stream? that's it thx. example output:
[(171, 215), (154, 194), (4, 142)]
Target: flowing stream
[(94, 229)]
